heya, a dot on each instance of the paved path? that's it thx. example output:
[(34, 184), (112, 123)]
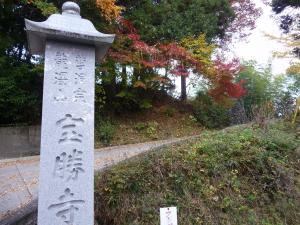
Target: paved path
[(19, 177)]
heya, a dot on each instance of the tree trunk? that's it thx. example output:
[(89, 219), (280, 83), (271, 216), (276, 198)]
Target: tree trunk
[(114, 83), (124, 77), (135, 76), (183, 88)]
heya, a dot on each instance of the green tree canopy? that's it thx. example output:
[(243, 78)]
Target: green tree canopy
[(173, 20)]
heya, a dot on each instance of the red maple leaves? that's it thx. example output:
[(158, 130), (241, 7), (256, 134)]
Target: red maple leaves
[(223, 81), (131, 49)]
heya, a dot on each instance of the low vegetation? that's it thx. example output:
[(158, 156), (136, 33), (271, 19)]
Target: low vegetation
[(158, 123), (241, 175)]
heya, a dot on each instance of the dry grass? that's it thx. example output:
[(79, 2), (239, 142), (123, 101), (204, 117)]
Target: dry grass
[(154, 124)]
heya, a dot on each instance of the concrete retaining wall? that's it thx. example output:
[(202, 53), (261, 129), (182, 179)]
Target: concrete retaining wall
[(19, 141)]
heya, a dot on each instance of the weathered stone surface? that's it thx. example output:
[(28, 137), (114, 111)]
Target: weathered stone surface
[(67, 143), (66, 188)]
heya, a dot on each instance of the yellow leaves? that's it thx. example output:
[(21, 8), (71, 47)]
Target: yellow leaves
[(201, 51), (296, 110), (281, 54), (290, 42), (294, 69), (199, 48), (109, 9)]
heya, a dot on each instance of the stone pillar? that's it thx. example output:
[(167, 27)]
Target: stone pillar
[(66, 184)]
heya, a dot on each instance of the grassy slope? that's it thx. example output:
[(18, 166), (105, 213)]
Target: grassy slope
[(154, 124), (241, 175)]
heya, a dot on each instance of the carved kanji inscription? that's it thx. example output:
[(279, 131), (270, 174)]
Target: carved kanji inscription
[(68, 166), (67, 207), (69, 129)]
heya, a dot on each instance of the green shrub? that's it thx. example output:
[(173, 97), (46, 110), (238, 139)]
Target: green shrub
[(105, 132), (145, 104), (130, 100), (148, 128), (192, 119), (169, 111), (209, 113), (100, 98), (140, 126), (151, 129)]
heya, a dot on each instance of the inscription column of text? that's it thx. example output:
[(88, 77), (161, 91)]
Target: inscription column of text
[(67, 147)]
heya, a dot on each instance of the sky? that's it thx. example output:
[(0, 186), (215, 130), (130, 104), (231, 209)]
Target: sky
[(256, 46), (260, 48)]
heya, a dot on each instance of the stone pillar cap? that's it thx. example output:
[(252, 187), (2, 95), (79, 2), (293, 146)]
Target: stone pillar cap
[(69, 27)]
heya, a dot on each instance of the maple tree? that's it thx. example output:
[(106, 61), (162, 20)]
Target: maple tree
[(179, 60), (202, 52), (223, 86), (196, 54), (109, 9), (178, 55), (192, 54), (130, 52)]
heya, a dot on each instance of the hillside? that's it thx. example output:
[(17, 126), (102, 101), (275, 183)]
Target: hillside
[(167, 118), (240, 175)]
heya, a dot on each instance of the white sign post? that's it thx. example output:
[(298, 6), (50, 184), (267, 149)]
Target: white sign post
[(66, 184), (168, 216)]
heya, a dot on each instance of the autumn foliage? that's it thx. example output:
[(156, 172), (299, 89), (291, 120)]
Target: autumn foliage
[(191, 54), (109, 9), (179, 59), (224, 75)]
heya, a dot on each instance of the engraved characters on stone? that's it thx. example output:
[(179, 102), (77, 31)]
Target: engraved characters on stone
[(69, 129), (62, 78), (68, 166), (66, 207)]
